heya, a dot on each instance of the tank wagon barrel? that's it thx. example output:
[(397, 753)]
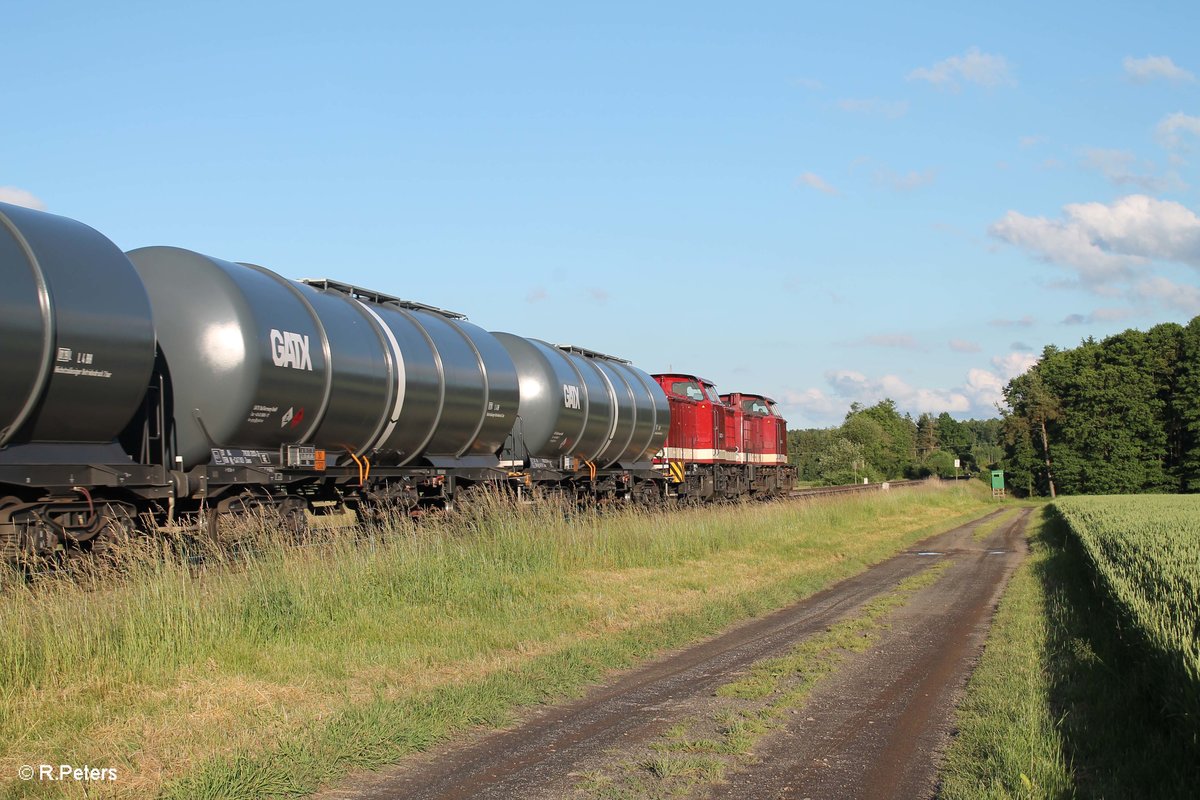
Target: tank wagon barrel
[(170, 387), (76, 337)]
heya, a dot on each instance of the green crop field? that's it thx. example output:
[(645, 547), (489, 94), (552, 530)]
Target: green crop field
[(1088, 684), (1145, 551)]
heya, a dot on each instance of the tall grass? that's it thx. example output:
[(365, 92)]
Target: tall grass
[(166, 668)]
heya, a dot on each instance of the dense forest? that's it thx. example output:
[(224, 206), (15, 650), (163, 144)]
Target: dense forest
[(1116, 416)]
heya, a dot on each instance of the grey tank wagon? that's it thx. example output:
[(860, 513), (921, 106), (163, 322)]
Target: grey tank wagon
[(168, 386)]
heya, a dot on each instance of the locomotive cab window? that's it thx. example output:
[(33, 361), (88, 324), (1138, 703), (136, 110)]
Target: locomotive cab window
[(689, 389), (711, 391), (754, 407)]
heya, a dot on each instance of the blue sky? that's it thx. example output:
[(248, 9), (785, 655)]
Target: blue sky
[(824, 204)]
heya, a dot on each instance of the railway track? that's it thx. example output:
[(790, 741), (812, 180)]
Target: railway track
[(853, 488), (43, 567)]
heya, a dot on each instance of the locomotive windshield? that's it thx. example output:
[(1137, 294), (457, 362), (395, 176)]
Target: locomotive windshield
[(689, 389), (755, 407), (711, 391)]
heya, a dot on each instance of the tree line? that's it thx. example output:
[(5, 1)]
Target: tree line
[(879, 443), (1117, 416)]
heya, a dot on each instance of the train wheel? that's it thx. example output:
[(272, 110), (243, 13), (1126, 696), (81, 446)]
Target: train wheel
[(648, 495), (118, 524), (234, 519), (294, 519), (387, 505)]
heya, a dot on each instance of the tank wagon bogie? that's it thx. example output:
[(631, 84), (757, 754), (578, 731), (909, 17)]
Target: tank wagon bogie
[(165, 387)]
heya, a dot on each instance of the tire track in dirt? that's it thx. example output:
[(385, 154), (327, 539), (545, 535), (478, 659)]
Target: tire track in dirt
[(542, 755)]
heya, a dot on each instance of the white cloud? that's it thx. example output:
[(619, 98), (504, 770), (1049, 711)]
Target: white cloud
[(598, 295), (1122, 169), (1031, 141), (1105, 243), (536, 295), (1060, 243), (813, 402), (854, 386), (892, 109), (811, 84), (1112, 250), (846, 382), (20, 197), (985, 388), (1171, 128), (1144, 70), (964, 346), (1141, 227), (1179, 296), (978, 395), (935, 401), (1013, 364), (973, 66), (815, 182)]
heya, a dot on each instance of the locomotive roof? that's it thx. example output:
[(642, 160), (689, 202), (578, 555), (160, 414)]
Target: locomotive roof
[(686, 375), (748, 394)]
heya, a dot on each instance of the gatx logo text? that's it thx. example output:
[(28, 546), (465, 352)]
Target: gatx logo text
[(290, 350)]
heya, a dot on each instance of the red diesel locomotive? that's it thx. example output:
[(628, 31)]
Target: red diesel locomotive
[(722, 446), (761, 431)]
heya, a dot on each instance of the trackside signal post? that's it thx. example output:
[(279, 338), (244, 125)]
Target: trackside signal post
[(997, 483)]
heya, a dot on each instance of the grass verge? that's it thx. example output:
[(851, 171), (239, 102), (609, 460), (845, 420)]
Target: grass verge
[(1061, 705), (989, 527), (272, 676)]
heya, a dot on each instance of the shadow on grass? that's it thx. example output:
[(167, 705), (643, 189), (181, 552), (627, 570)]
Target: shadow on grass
[(1109, 693)]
